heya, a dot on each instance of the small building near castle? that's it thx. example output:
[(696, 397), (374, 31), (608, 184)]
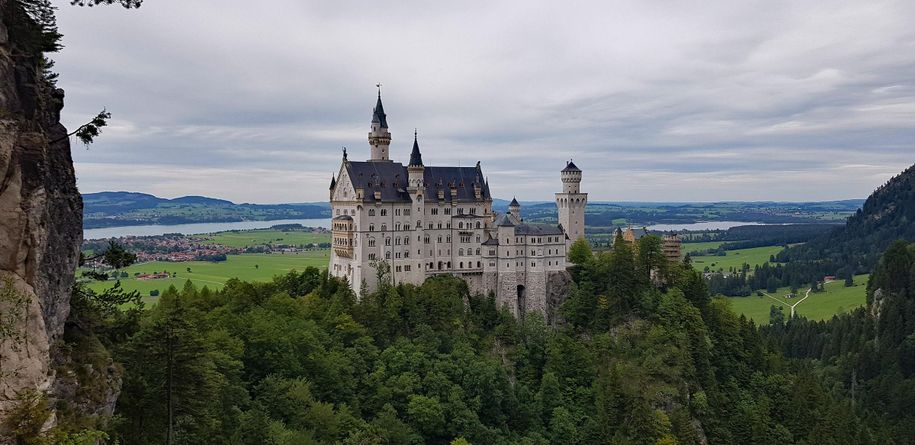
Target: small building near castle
[(423, 220)]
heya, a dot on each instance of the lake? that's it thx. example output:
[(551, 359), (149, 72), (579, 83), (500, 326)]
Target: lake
[(704, 225), (197, 228)]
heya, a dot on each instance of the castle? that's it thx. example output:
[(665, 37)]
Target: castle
[(422, 221)]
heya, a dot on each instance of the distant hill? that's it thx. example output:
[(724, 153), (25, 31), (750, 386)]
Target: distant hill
[(109, 209), (886, 216)]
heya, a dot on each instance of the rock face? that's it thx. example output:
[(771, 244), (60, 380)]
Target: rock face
[(40, 221)]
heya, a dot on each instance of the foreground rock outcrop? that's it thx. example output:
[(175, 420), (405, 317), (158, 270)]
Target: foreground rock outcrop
[(40, 220)]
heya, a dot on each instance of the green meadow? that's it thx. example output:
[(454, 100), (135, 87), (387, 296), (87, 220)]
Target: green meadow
[(248, 238), (247, 267), (819, 306), (705, 245), (733, 258)]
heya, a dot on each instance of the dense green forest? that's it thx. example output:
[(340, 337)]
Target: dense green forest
[(867, 355), (637, 358)]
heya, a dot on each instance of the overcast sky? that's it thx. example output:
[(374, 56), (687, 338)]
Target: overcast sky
[(655, 101)]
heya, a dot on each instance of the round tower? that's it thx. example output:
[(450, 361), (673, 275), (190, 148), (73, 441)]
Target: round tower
[(571, 203), (379, 137)]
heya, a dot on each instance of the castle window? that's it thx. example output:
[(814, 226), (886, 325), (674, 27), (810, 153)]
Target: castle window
[(371, 212), (371, 242), (384, 227), (406, 254), (478, 250), (448, 212), (406, 240), (439, 238), (387, 241), (434, 211), (419, 224), (449, 264), (439, 225), (460, 225), (478, 238), (430, 226), (397, 241), (473, 211), (406, 212), (492, 252), (397, 226), (371, 227), (387, 255), (460, 252), (384, 212), (460, 210), (396, 212), (406, 227), (461, 265), (372, 256), (478, 224), (479, 264), (448, 239)]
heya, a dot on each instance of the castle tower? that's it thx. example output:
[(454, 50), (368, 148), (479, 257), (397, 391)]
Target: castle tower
[(379, 137), (514, 209), (415, 169), (571, 203)]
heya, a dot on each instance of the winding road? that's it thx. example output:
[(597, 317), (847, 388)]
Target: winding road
[(793, 305)]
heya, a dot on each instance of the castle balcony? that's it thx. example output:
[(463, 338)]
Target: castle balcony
[(342, 236)]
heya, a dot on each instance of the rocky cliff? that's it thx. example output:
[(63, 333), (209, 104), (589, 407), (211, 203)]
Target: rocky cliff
[(40, 219)]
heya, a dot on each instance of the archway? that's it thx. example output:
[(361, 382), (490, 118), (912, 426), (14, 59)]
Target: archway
[(522, 300)]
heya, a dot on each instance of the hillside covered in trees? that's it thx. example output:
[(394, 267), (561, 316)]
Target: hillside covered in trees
[(301, 361), (886, 216)]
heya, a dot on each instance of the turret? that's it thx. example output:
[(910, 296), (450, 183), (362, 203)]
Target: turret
[(571, 178), (415, 169), (515, 209), (379, 137), (571, 203)]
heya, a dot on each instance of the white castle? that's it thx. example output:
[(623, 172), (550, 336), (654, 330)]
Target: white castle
[(424, 221)]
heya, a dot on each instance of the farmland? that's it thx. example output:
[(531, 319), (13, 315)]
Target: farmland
[(819, 306), (733, 258), (249, 238), (247, 267)]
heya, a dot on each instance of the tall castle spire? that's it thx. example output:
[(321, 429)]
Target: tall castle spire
[(379, 137), (416, 158)]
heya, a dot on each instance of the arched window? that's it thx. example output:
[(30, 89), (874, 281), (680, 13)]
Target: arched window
[(461, 265), (384, 227), (460, 252), (371, 212), (460, 225), (479, 264), (387, 255), (371, 242), (478, 224), (478, 250), (371, 227), (384, 212), (387, 241)]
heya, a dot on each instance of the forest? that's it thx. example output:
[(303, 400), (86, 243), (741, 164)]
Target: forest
[(635, 358)]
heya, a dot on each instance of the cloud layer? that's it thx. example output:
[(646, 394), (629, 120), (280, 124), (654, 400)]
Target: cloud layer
[(672, 101)]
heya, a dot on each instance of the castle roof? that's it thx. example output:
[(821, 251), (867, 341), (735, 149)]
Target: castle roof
[(416, 158), (538, 229), (491, 242), (570, 166), (504, 221), (391, 179), (333, 182), (378, 115), (514, 203)]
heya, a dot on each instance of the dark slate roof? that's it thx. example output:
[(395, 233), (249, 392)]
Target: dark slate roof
[(538, 229), (343, 218), (570, 166), (333, 182), (514, 203), (416, 158), (491, 242), (504, 221), (390, 178), (378, 113)]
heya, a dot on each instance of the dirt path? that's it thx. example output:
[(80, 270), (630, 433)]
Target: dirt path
[(799, 301)]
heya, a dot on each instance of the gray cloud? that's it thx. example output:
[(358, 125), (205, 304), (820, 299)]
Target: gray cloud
[(783, 100)]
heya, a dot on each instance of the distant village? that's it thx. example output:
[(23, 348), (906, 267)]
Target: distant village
[(176, 247)]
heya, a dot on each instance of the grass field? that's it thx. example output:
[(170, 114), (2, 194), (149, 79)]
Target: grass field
[(819, 306), (247, 267), (734, 258), (690, 247), (246, 238)]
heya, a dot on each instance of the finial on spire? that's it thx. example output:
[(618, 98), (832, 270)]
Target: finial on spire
[(415, 133), (379, 89), (344, 153)]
